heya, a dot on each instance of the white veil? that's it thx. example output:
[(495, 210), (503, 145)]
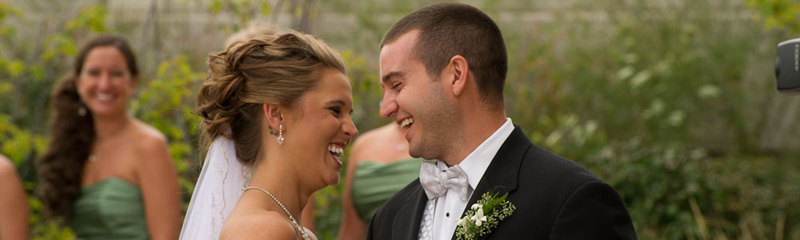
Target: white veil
[(217, 191)]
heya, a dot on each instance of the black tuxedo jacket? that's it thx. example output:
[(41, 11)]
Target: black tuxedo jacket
[(555, 199)]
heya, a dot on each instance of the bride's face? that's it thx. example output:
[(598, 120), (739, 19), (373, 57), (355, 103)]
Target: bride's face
[(322, 130)]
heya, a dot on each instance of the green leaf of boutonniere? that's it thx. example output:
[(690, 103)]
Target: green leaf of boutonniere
[(484, 216)]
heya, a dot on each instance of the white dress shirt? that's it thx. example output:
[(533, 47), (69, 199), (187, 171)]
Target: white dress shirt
[(450, 206)]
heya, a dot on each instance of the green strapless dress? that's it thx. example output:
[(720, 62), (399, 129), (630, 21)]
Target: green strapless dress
[(374, 183), (110, 209)]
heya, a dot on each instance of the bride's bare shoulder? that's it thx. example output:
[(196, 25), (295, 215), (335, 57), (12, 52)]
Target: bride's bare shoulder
[(311, 234), (257, 225)]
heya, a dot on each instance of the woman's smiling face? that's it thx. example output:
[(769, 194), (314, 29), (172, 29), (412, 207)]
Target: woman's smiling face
[(322, 128), (105, 83)]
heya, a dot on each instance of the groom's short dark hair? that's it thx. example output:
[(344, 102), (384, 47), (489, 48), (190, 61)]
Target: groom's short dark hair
[(449, 29)]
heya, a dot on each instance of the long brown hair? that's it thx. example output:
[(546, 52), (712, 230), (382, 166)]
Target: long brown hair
[(72, 134), (274, 69)]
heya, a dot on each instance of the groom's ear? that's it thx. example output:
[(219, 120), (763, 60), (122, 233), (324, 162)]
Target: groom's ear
[(457, 73), (272, 115)]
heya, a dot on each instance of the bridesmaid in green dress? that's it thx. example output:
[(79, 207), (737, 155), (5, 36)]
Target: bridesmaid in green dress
[(379, 166), (105, 173)]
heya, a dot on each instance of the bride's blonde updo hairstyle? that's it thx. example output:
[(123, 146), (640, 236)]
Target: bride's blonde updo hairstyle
[(273, 69)]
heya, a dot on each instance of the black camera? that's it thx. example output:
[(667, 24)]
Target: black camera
[(787, 66)]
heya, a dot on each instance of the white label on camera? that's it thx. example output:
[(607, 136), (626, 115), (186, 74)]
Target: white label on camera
[(797, 57)]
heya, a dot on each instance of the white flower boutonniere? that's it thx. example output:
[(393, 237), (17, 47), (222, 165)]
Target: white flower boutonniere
[(484, 216)]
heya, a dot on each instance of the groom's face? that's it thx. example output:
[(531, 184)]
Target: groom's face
[(416, 100)]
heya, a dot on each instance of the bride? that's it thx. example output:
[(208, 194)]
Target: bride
[(278, 110)]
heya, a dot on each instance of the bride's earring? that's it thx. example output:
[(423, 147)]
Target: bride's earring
[(280, 134)]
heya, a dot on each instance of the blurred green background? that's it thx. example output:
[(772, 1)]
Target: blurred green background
[(671, 102)]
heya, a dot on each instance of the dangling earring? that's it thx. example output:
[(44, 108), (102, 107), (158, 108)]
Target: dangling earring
[(280, 134), (81, 111)]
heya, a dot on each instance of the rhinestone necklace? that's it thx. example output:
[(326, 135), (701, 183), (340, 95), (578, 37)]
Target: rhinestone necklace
[(294, 222)]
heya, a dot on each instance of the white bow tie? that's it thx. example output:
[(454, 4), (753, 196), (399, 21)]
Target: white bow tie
[(436, 182)]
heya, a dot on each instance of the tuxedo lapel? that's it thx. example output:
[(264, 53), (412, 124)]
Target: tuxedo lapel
[(413, 209), (503, 172)]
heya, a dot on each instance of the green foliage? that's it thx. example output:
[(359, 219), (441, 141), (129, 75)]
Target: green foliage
[(92, 17), (677, 192), (778, 14), (31, 64), (367, 91), (19, 144), (7, 10), (51, 231), (46, 230), (328, 210), (62, 45), (656, 108), (166, 103), (243, 10)]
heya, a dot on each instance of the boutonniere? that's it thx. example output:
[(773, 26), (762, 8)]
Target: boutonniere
[(484, 216)]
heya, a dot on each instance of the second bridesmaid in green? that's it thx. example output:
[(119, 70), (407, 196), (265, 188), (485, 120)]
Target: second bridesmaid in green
[(105, 173)]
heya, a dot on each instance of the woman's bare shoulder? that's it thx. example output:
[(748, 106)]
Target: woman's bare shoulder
[(310, 233), (374, 137), (148, 134), (149, 141), (7, 168), (258, 225)]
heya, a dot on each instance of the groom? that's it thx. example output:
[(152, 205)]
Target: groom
[(442, 69)]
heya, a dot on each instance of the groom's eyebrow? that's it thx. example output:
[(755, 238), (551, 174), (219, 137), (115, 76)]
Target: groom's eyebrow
[(389, 76)]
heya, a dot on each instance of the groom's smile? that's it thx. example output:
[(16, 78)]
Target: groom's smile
[(406, 123), (416, 100)]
